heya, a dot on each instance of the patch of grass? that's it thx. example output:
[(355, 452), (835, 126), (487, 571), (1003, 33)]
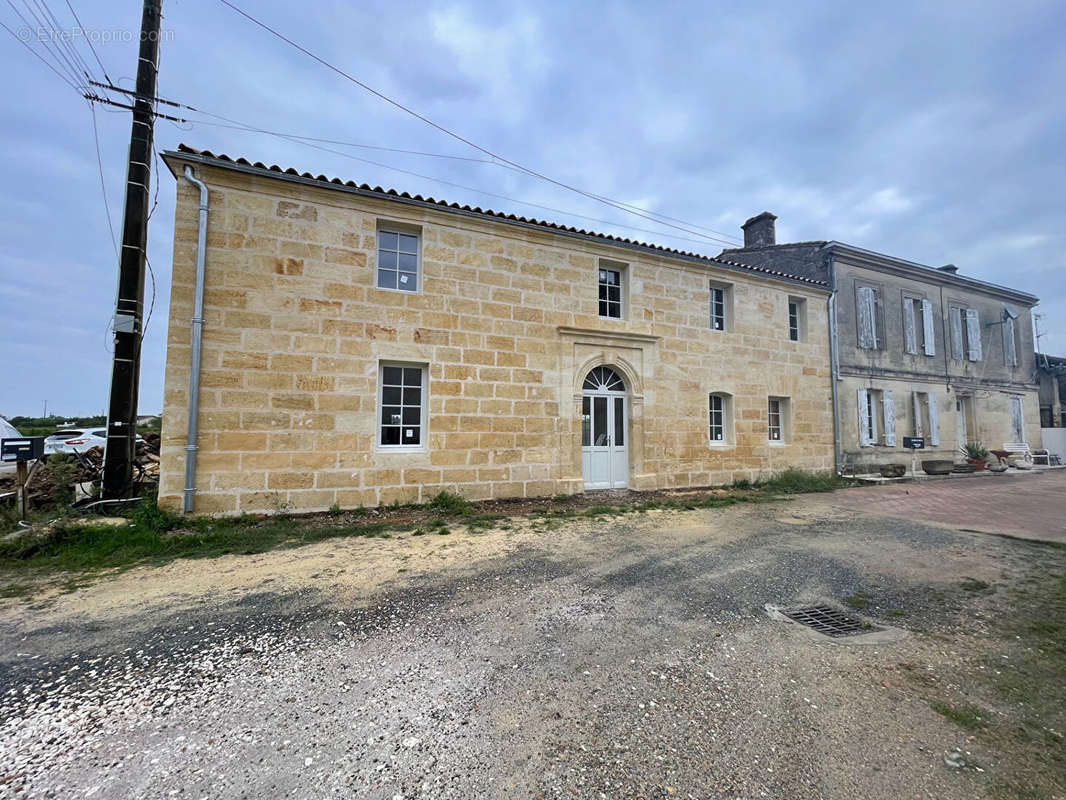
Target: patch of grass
[(154, 536), (974, 585), (334, 510), (971, 718), (485, 521), (799, 481), (858, 601), (451, 503)]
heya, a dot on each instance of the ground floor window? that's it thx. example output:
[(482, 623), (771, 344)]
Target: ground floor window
[(777, 430), (877, 418), (720, 413), (926, 423), (402, 401)]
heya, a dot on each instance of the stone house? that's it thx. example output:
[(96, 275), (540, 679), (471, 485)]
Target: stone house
[(362, 346), (1052, 380), (919, 351)]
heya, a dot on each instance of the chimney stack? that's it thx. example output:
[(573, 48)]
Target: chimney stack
[(759, 230), (949, 268)]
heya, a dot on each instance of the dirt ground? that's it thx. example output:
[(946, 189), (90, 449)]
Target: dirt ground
[(620, 657)]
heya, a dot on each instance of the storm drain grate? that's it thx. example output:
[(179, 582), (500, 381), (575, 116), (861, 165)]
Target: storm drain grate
[(829, 621)]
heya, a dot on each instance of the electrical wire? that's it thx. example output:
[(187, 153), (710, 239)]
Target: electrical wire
[(628, 208), (64, 40), (103, 183), (60, 67), (37, 55), (49, 43), (467, 188), (89, 41)]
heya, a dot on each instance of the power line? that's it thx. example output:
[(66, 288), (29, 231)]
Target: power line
[(607, 201), (50, 39), (37, 55), (103, 183), (60, 68), (89, 41), (299, 140)]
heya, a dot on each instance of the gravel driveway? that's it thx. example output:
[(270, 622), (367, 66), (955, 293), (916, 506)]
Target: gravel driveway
[(624, 657)]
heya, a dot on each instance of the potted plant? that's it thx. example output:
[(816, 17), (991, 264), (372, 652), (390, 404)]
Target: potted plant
[(976, 454)]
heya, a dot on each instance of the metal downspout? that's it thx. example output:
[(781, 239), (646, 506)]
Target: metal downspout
[(197, 329), (834, 362)]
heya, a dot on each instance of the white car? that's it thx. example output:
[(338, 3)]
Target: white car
[(71, 440)]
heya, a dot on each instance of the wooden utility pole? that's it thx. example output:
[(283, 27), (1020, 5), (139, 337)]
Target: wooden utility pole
[(129, 307)]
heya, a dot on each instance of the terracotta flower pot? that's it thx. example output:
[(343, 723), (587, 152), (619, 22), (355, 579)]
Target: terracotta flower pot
[(978, 464)]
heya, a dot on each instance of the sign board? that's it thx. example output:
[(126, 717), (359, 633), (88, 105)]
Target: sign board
[(914, 442)]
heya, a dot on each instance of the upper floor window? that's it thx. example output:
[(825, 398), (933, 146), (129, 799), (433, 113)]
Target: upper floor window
[(402, 404), (611, 287), (721, 306), (870, 317), (1010, 349), (797, 319), (965, 334), (918, 326), (397, 260)]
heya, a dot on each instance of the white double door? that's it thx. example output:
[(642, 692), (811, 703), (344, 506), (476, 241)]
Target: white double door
[(604, 434)]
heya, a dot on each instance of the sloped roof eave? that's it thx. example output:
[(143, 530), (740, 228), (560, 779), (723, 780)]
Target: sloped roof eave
[(186, 153)]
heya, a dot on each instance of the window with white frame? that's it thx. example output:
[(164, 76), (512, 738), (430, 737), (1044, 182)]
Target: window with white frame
[(402, 404), (721, 306), (797, 319), (877, 418), (720, 418), (397, 259), (778, 422), (611, 290)]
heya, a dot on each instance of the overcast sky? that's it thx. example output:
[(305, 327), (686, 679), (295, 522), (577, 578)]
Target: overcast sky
[(930, 131)]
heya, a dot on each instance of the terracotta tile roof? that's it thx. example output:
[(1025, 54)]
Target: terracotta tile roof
[(222, 160)]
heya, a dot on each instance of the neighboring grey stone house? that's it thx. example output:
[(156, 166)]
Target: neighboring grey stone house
[(918, 351)]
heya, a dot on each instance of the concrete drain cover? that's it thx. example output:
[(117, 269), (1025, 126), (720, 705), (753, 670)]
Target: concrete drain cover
[(829, 621)]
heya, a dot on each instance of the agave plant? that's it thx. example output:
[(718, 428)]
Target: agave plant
[(975, 451)]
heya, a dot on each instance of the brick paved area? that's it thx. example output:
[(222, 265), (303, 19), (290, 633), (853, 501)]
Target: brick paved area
[(1032, 506)]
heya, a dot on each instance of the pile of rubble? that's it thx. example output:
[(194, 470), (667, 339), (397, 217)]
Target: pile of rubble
[(75, 477)]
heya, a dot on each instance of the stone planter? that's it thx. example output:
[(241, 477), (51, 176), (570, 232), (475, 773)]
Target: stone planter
[(893, 470), (937, 466)]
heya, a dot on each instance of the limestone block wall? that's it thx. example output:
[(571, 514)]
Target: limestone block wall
[(506, 323)]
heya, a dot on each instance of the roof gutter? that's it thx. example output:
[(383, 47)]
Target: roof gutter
[(197, 329)]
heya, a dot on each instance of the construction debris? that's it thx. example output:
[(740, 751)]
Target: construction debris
[(74, 478)]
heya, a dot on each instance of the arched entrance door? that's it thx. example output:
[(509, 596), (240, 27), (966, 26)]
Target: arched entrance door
[(604, 430)]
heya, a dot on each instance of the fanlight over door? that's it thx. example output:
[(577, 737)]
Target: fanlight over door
[(604, 454)]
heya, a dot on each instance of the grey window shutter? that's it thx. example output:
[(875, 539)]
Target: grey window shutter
[(890, 417), (867, 334), (916, 401), (865, 434), (934, 420), (927, 325), (1010, 354), (973, 335), (1016, 420), (910, 336), (956, 333)]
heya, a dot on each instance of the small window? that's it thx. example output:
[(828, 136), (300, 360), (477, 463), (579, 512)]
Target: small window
[(397, 260), (721, 310), (777, 420), (720, 419), (611, 286), (797, 319), (402, 401)]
